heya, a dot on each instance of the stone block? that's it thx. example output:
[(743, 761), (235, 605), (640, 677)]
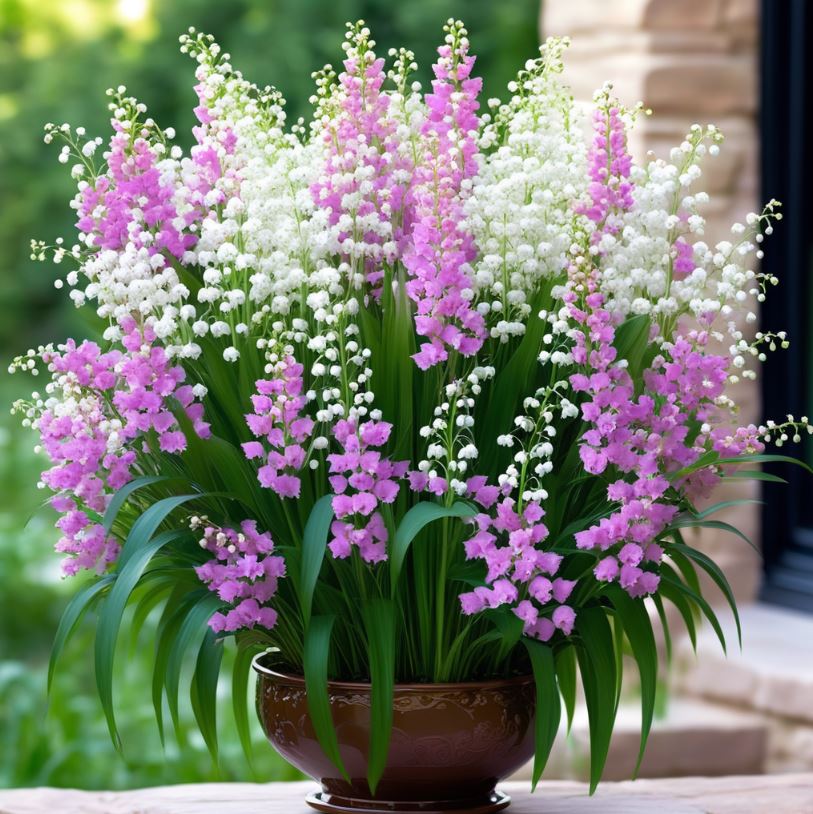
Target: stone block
[(686, 14), (708, 86), (567, 17), (693, 738), (773, 674)]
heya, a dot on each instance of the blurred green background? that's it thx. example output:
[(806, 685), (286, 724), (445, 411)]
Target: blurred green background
[(57, 57)]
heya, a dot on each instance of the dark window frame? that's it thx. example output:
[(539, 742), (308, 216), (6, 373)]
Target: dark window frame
[(786, 125)]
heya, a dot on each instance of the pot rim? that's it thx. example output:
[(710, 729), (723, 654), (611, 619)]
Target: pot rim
[(296, 680)]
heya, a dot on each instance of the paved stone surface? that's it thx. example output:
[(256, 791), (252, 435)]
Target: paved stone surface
[(775, 794)]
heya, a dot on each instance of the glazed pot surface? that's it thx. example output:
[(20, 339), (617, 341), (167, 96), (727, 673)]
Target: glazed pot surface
[(451, 743)]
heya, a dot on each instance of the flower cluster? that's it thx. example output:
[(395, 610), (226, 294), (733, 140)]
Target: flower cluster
[(519, 569), (368, 167), (361, 479), (244, 572), (441, 250), (520, 209), (279, 420), (98, 405)]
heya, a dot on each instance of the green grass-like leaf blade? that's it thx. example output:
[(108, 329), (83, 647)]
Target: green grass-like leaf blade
[(203, 690), (414, 520), (79, 604), (107, 631), (638, 630), (314, 544), (120, 497), (715, 572), (316, 654), (239, 694), (191, 634), (379, 622), (596, 656), (566, 675), (548, 704)]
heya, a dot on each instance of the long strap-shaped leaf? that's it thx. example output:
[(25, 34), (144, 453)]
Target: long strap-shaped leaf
[(414, 520), (379, 621), (147, 524), (107, 631), (315, 660), (120, 497), (716, 574), (671, 578), (80, 603), (694, 522), (566, 676), (314, 543), (239, 694), (638, 630), (203, 690), (596, 657), (548, 704), (178, 603), (191, 634)]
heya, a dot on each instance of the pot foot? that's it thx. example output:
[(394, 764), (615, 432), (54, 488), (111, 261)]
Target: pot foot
[(331, 804)]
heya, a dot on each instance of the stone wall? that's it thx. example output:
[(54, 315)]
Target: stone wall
[(690, 61)]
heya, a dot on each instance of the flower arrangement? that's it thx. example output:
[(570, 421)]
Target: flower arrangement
[(426, 390)]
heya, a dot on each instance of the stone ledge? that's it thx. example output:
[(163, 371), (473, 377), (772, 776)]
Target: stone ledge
[(693, 738), (774, 672), (779, 794)]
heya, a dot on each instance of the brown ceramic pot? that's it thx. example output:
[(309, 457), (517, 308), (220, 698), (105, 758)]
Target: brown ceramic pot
[(451, 743)]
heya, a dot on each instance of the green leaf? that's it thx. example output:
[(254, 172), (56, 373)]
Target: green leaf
[(146, 603), (693, 522), (548, 704), (765, 458), (315, 659), (79, 604), (191, 633), (687, 569), (566, 675), (379, 622), (667, 636), (314, 543), (596, 655), (714, 571), (632, 342), (667, 591), (203, 690), (107, 631), (173, 614), (725, 504), (510, 627), (753, 474), (147, 524), (239, 694), (120, 497), (413, 521), (638, 630), (671, 578)]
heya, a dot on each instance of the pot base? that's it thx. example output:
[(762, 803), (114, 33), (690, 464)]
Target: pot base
[(332, 804)]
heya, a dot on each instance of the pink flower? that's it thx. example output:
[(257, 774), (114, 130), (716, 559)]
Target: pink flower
[(244, 573), (440, 251), (361, 479), (277, 419)]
